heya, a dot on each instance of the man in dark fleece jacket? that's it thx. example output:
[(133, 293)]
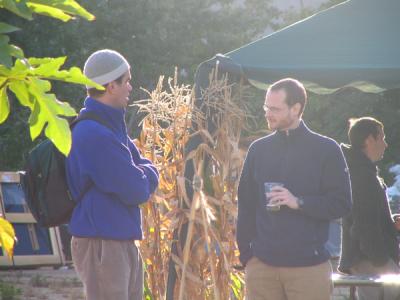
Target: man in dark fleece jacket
[(107, 173), (284, 251), (369, 236)]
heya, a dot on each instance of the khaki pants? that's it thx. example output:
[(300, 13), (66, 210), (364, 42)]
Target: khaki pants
[(373, 293), (109, 269), (264, 282)]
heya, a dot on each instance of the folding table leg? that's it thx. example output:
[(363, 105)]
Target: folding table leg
[(353, 293), (382, 294)]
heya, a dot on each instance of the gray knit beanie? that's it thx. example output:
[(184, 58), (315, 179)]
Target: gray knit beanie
[(105, 66)]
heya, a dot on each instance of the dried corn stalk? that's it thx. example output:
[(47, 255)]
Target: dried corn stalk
[(205, 263)]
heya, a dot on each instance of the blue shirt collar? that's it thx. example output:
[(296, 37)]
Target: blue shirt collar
[(115, 116)]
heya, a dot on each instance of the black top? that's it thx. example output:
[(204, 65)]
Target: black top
[(368, 232)]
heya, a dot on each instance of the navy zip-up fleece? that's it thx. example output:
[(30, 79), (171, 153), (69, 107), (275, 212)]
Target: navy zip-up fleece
[(311, 167), (120, 179)]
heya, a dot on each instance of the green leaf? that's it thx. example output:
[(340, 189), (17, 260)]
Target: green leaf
[(68, 6), (20, 89), (20, 69), (4, 71), (16, 51), (7, 51), (60, 134), (49, 11), (34, 128), (37, 61), (236, 286), (47, 66), (17, 7), (47, 111), (75, 75), (7, 28), (4, 105), (7, 240), (59, 9), (4, 39), (5, 55)]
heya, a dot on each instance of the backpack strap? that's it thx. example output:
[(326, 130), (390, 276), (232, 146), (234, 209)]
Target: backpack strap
[(94, 117), (84, 191), (90, 116)]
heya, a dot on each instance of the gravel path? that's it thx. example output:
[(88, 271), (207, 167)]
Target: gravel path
[(64, 284), (43, 284)]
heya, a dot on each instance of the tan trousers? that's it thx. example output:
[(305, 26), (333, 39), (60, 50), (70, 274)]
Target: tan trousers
[(373, 293), (109, 269), (264, 282)]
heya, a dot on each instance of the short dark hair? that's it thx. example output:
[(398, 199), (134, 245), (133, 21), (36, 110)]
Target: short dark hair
[(295, 92), (361, 128), (93, 92)]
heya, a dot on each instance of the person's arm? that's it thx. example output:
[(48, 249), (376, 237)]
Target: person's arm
[(110, 166), (246, 221), (334, 201), (367, 226), (137, 157), (146, 165), (396, 222)]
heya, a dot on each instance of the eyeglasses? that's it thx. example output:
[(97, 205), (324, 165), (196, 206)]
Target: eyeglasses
[(271, 109)]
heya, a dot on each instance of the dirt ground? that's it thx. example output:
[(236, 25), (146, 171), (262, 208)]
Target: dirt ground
[(44, 284), (63, 284)]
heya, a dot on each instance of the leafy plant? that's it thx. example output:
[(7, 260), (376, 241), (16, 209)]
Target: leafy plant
[(7, 237), (28, 78), (8, 291)]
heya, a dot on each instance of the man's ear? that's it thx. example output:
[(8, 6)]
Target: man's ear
[(296, 109), (370, 139), (110, 87)]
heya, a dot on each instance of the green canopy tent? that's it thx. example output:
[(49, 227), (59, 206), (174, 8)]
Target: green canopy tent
[(355, 43)]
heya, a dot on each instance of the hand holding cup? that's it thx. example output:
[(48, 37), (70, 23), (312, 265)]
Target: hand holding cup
[(271, 205), (396, 219), (280, 195)]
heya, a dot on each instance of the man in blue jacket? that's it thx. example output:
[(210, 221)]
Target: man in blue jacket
[(107, 173), (282, 231)]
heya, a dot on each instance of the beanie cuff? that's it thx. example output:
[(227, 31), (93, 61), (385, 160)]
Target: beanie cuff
[(111, 76)]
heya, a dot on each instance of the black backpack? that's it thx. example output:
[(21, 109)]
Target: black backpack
[(44, 181)]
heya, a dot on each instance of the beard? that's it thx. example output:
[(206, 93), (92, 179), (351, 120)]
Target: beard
[(282, 124)]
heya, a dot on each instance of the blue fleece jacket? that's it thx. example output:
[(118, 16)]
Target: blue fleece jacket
[(120, 179), (311, 167)]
